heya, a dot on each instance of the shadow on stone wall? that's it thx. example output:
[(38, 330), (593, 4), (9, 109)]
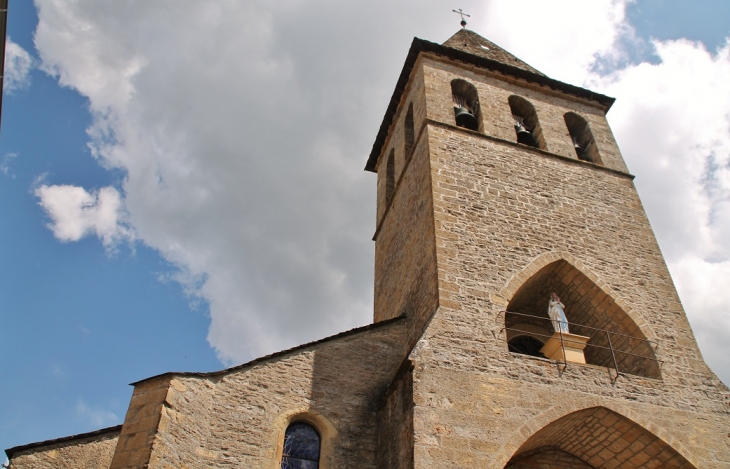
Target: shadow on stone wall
[(597, 437)]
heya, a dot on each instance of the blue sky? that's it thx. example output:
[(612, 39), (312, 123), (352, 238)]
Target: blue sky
[(159, 159)]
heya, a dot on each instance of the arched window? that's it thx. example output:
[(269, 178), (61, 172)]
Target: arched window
[(527, 127), (580, 133), (409, 132), (466, 104), (301, 447), (390, 177), (525, 345)]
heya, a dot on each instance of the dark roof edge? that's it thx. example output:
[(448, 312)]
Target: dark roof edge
[(421, 45), (3, 39), (256, 361), (16, 449)]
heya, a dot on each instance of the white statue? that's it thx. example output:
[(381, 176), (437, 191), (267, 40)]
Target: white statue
[(556, 313)]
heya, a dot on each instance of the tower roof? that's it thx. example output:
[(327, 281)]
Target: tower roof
[(472, 43), (470, 48)]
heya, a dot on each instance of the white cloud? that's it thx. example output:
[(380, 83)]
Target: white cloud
[(94, 416), (672, 121), (57, 371), (18, 64), (5, 163), (674, 125), (562, 38), (703, 287), (243, 127), (74, 213)]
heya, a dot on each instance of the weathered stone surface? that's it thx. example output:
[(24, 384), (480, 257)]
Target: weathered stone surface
[(237, 418), (471, 42), (395, 422), (405, 262), (550, 458), (141, 423), (88, 451)]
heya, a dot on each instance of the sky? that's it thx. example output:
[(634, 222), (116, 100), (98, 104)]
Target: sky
[(182, 184)]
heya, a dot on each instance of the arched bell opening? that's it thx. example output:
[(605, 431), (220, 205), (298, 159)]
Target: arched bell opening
[(390, 178), (527, 126), (409, 132), (615, 339), (466, 104), (595, 438), (582, 137)]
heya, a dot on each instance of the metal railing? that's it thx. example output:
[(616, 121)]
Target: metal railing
[(622, 345)]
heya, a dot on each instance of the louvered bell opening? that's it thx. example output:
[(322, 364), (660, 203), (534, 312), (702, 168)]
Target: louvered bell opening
[(465, 112), (524, 135), (582, 150)]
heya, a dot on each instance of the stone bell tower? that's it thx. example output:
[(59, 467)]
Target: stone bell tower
[(497, 187)]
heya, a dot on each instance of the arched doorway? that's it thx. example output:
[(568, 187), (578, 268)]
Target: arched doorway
[(595, 438), (616, 341)]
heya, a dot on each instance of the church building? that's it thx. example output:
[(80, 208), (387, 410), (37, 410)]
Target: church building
[(524, 316)]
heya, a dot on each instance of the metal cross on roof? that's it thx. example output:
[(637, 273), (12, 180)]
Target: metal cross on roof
[(463, 21)]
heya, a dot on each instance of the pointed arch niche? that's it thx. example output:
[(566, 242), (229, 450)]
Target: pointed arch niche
[(590, 312), (595, 438)]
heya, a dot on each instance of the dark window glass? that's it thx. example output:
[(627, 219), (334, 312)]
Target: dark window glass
[(301, 447)]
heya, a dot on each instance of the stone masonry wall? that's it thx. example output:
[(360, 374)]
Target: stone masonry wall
[(237, 418), (140, 425), (405, 264), (499, 217), (499, 207), (183, 430), (395, 423), (602, 438), (494, 92), (550, 459), (89, 453), (396, 140)]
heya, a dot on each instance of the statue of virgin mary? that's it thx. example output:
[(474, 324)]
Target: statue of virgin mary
[(557, 314)]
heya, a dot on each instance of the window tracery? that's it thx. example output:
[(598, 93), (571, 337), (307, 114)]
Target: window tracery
[(301, 447)]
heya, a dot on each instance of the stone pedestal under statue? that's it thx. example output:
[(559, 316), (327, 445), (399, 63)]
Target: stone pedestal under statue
[(572, 343)]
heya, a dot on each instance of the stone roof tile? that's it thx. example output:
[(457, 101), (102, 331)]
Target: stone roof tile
[(472, 43)]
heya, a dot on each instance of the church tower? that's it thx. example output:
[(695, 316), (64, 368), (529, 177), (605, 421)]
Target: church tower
[(498, 186)]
